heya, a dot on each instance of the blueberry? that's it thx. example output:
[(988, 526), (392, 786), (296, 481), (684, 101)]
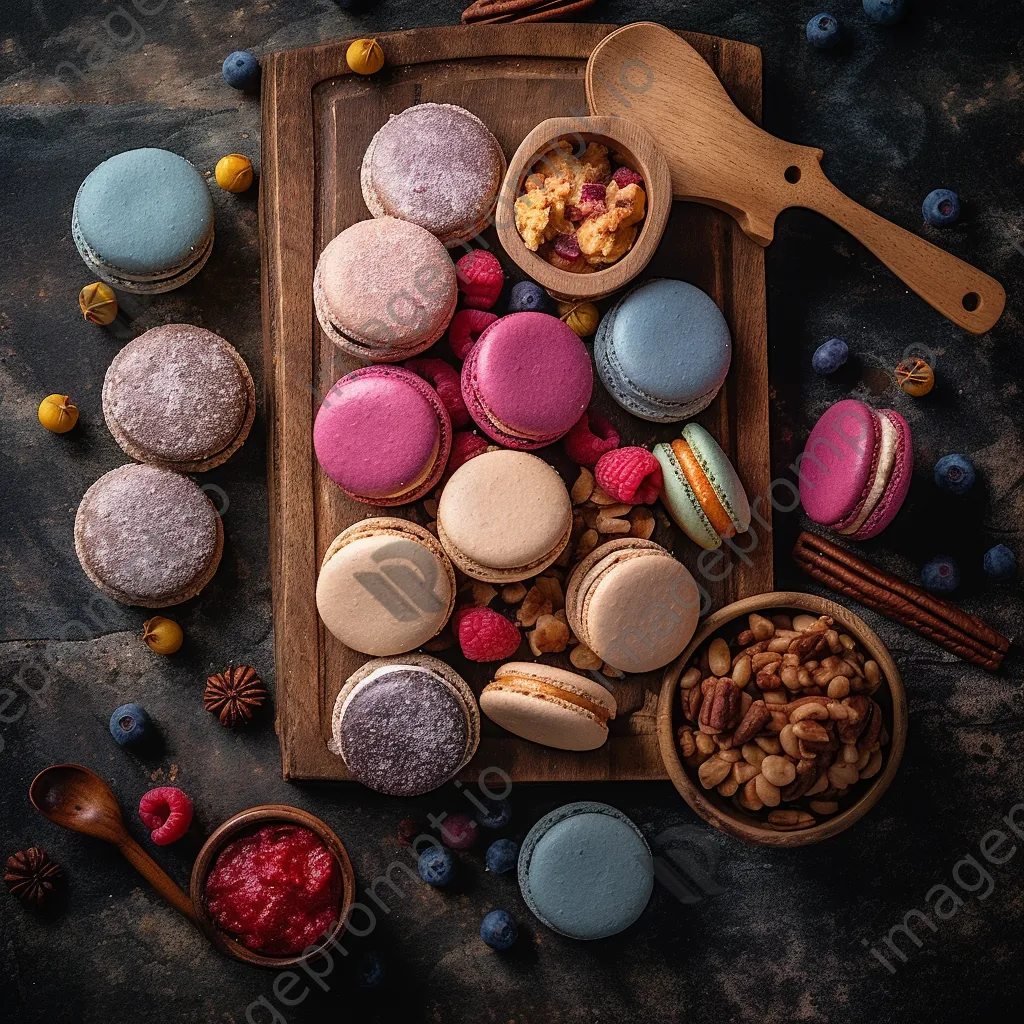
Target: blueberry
[(498, 929), (823, 31), (497, 815), (527, 297), (241, 70), (884, 12), (830, 356), (941, 207), (130, 725), (954, 473), (436, 866), (369, 970), (501, 856), (1000, 564), (941, 575)]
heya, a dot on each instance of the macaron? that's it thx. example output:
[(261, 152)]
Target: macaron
[(586, 871), (179, 397), (633, 604), (143, 221), (435, 165), (405, 725), (504, 516), (148, 536), (549, 705), (385, 587), (383, 435), (701, 489), (856, 468), (527, 380), (663, 351), (384, 290)]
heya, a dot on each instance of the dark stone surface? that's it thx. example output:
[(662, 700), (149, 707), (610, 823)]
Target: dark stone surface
[(935, 101)]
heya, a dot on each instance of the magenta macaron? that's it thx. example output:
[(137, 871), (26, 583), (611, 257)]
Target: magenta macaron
[(382, 435), (527, 380), (855, 469)]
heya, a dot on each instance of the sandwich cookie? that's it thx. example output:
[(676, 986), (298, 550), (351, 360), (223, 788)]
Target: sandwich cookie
[(549, 705), (435, 165), (663, 351), (383, 435), (633, 604), (385, 587), (504, 516), (701, 489), (405, 725), (179, 397), (384, 290), (148, 536), (143, 221), (586, 871), (527, 380), (856, 468)]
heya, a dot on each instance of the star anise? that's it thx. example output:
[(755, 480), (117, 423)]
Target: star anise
[(234, 694), (31, 876)]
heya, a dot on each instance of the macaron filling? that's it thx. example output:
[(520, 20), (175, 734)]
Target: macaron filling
[(546, 691), (720, 520), (883, 464)]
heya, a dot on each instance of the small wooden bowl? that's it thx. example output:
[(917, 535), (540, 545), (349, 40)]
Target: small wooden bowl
[(630, 146), (246, 822), (723, 813)]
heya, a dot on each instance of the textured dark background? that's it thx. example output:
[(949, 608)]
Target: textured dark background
[(936, 101)]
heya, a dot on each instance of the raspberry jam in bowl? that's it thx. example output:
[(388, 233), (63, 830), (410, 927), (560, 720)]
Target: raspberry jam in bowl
[(272, 883)]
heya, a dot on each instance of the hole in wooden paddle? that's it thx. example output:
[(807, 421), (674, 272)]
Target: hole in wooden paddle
[(971, 301), (793, 174)]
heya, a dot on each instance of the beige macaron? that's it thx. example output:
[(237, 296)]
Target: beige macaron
[(633, 604), (549, 705)]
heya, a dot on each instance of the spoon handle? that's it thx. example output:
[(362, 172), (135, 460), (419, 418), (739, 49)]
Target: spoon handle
[(157, 877)]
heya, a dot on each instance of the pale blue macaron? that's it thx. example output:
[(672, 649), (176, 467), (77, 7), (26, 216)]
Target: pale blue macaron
[(586, 871), (143, 221), (663, 350)]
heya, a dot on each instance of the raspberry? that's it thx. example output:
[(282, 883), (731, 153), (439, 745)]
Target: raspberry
[(632, 475), (465, 446), (167, 813), (446, 382), (589, 439), (459, 831), (480, 278), (467, 325), (484, 635), (624, 176), (567, 247)]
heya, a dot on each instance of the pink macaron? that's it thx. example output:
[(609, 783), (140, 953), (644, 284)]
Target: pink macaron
[(856, 468), (527, 380), (383, 436)]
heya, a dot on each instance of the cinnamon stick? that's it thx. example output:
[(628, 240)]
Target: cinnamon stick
[(491, 12)]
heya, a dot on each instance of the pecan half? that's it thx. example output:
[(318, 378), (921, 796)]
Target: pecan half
[(721, 706), (752, 723)]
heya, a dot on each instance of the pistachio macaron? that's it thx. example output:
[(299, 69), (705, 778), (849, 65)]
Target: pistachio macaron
[(701, 489)]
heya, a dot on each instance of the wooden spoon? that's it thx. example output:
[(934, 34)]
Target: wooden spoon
[(78, 799), (648, 74)]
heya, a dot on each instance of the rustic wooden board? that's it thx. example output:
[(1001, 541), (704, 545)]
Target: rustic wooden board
[(317, 122)]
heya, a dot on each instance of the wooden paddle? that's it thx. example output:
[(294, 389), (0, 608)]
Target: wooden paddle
[(649, 75)]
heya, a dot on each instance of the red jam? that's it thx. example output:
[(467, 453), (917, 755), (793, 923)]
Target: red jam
[(277, 891)]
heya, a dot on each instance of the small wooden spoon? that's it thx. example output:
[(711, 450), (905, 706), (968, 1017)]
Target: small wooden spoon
[(78, 799), (649, 75)]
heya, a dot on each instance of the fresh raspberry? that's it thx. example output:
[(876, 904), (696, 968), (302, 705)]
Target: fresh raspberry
[(465, 446), (589, 439), (625, 176), (446, 382), (167, 813), (480, 278), (467, 325), (592, 199), (567, 247), (632, 475), (484, 635), (459, 831)]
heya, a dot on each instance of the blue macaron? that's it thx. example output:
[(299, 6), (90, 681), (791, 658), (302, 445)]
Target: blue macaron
[(663, 351), (143, 221), (586, 871)]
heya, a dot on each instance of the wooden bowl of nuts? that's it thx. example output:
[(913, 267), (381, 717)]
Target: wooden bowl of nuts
[(784, 721)]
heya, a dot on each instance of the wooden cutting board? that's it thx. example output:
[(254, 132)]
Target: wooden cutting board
[(317, 121)]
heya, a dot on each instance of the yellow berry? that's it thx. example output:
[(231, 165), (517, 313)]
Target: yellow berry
[(58, 413), (234, 172), (915, 377), (98, 303), (162, 635), (581, 318), (365, 56)]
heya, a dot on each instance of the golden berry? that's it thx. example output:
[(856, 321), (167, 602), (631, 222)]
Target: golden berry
[(58, 413), (915, 377), (581, 318), (98, 303), (162, 635), (234, 172), (365, 56)]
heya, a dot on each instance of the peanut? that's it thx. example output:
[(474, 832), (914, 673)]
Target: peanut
[(705, 744), (761, 627), (790, 820), (824, 806), (728, 788), (839, 687), (779, 771), (789, 741), (719, 658), (753, 754), (690, 678), (767, 792), (743, 772), (874, 764), (748, 796), (713, 771), (742, 671), (804, 623), (769, 744)]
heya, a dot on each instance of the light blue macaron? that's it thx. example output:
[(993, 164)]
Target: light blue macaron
[(143, 221), (663, 350), (586, 871)]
